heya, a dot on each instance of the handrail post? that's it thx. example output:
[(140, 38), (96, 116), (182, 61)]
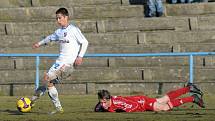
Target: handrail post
[(37, 81), (191, 68)]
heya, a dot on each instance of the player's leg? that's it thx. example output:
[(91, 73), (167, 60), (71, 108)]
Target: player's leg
[(53, 75), (176, 93), (173, 103), (47, 81), (198, 100), (180, 101), (173, 94), (194, 98), (177, 102), (194, 89), (40, 90), (53, 78), (53, 94)]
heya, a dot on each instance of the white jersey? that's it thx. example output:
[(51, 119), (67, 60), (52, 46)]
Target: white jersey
[(72, 43)]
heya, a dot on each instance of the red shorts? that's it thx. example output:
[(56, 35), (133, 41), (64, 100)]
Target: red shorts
[(149, 104)]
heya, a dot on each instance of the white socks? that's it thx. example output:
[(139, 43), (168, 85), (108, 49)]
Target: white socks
[(53, 94)]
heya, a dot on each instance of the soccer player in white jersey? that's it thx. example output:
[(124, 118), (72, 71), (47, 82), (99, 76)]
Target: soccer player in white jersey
[(73, 46)]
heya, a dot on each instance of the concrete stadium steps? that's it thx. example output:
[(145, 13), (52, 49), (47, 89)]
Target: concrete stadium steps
[(67, 3), (89, 12), (139, 48), (122, 38), (104, 74), (202, 23), (28, 63), (99, 26), (153, 73), (159, 62), (74, 2), (131, 88), (83, 2), (41, 28), (113, 25), (157, 24), (93, 38), (144, 24), (15, 3), (172, 37), (96, 49), (195, 47), (53, 49), (11, 41), (155, 48), (108, 11), (190, 9), (94, 8), (7, 63)]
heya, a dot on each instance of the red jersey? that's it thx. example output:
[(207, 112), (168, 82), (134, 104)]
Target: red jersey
[(131, 103)]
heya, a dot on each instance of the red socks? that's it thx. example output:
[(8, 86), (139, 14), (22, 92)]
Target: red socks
[(180, 101), (176, 93)]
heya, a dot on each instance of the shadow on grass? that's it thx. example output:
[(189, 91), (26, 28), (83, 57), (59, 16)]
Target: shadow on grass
[(16, 112), (194, 112), (12, 112)]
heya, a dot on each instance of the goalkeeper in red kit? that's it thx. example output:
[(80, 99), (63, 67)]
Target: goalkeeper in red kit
[(108, 103)]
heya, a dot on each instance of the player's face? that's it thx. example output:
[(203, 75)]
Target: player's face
[(62, 20), (105, 103)]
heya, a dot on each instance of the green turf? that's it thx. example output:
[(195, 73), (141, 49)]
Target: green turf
[(80, 108)]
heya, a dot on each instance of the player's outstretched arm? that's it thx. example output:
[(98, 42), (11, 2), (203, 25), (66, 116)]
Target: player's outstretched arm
[(45, 41)]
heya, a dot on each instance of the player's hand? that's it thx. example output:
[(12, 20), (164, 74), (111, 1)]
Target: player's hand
[(78, 61), (35, 45)]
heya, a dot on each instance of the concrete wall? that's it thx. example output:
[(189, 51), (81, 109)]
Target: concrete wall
[(130, 88)]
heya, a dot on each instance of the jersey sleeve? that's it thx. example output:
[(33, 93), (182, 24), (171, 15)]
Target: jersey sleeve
[(48, 39), (82, 40)]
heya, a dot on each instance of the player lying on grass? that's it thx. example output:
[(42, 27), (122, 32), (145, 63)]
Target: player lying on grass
[(108, 103)]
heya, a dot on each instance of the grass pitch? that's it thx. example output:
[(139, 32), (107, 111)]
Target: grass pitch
[(80, 108)]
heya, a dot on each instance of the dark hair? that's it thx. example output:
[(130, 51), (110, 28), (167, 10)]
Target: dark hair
[(99, 108), (103, 94), (62, 11)]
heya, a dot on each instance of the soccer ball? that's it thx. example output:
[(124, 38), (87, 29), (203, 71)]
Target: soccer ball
[(24, 104)]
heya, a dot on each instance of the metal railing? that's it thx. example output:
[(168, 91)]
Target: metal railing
[(189, 54)]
